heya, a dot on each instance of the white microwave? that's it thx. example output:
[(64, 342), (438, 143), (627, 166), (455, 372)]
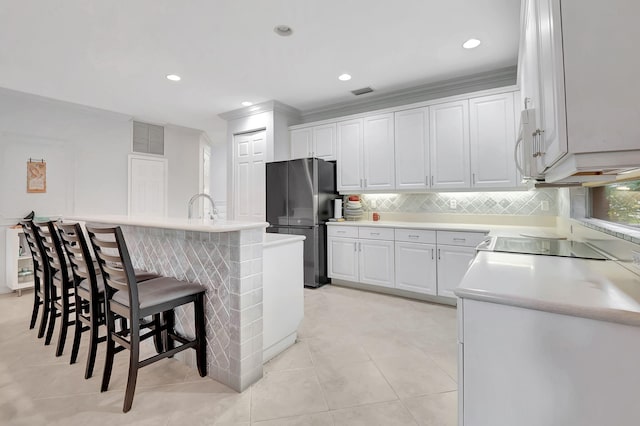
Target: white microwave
[(529, 148)]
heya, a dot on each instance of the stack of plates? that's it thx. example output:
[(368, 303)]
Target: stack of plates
[(353, 210)]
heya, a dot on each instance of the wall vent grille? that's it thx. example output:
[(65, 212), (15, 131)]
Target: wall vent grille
[(362, 91)]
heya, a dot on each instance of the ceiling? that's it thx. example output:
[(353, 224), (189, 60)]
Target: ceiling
[(115, 54)]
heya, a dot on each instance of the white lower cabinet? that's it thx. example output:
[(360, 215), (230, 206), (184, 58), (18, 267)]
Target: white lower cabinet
[(453, 262), (343, 258), (407, 259), (376, 262), (416, 267)]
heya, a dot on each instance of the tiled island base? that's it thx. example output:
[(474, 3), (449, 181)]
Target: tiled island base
[(229, 266)]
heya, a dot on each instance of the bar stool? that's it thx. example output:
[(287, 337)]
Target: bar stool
[(62, 289), (126, 298), (89, 294), (42, 279)]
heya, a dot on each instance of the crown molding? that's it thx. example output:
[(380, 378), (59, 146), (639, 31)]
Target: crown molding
[(260, 108), (473, 83)]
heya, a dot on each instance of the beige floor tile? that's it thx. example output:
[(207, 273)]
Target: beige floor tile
[(320, 419), (296, 356), (354, 384), (434, 410), (286, 394), (388, 413), (414, 376), (447, 360), (336, 351)]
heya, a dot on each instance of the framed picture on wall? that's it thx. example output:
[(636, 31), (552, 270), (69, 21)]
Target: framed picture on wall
[(36, 176)]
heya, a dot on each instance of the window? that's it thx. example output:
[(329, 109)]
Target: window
[(148, 138), (617, 202)]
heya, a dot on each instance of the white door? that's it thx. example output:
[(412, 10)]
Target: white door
[(492, 141), (349, 161), (249, 192), (147, 186), (342, 258), (453, 262), (412, 148), (416, 267), (376, 262), (378, 148), (324, 141), (301, 143), (552, 105), (449, 140)]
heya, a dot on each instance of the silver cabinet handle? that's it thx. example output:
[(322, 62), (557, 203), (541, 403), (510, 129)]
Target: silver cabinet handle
[(431, 254), (374, 233), (355, 247), (413, 236), (460, 239), (359, 246), (431, 180), (341, 232), (361, 185), (474, 178), (438, 254), (426, 181), (365, 182)]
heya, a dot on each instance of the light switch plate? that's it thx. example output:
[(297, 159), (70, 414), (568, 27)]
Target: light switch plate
[(453, 204), (544, 205)]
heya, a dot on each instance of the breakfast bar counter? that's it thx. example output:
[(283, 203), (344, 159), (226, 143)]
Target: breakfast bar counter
[(224, 257)]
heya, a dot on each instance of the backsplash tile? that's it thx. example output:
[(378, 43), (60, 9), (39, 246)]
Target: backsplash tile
[(525, 203)]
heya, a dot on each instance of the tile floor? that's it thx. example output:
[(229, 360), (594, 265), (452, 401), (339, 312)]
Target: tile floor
[(362, 359)]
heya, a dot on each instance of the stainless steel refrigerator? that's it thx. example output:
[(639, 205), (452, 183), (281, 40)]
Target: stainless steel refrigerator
[(300, 196)]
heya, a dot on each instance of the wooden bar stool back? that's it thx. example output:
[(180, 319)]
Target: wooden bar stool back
[(62, 289), (42, 279), (124, 297)]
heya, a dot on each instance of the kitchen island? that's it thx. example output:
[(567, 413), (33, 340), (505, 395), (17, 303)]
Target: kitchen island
[(227, 259), (548, 340)]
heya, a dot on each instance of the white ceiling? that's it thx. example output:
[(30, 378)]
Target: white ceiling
[(115, 54)]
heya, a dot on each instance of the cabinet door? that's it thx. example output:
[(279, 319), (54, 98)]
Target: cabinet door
[(449, 140), (376, 262), (416, 267), (379, 164), (301, 143), (324, 141), (412, 148), (349, 161), (492, 137), (342, 258), (528, 73), (250, 182), (453, 262), (552, 105)]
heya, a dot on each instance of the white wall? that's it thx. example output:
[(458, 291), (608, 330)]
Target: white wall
[(86, 153)]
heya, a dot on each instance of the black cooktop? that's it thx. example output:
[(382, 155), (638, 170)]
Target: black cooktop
[(546, 247)]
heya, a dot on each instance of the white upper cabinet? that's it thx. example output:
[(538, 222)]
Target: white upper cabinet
[(492, 136), (378, 150), (316, 141), (324, 141), (449, 139), (350, 168), (301, 142), (551, 80), (412, 148)]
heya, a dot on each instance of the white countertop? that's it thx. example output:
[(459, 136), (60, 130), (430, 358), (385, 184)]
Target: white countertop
[(498, 230), (601, 290), (173, 223)]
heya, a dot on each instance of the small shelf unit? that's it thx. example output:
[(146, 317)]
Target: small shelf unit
[(19, 267)]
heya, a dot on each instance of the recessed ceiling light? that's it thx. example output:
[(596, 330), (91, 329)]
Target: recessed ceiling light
[(173, 77), (283, 30), (344, 77), (247, 103), (472, 43)]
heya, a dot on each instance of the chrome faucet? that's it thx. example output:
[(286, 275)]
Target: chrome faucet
[(208, 197)]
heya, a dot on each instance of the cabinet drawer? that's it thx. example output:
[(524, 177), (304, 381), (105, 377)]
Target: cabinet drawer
[(416, 236), (343, 231), (376, 233), (456, 238)]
